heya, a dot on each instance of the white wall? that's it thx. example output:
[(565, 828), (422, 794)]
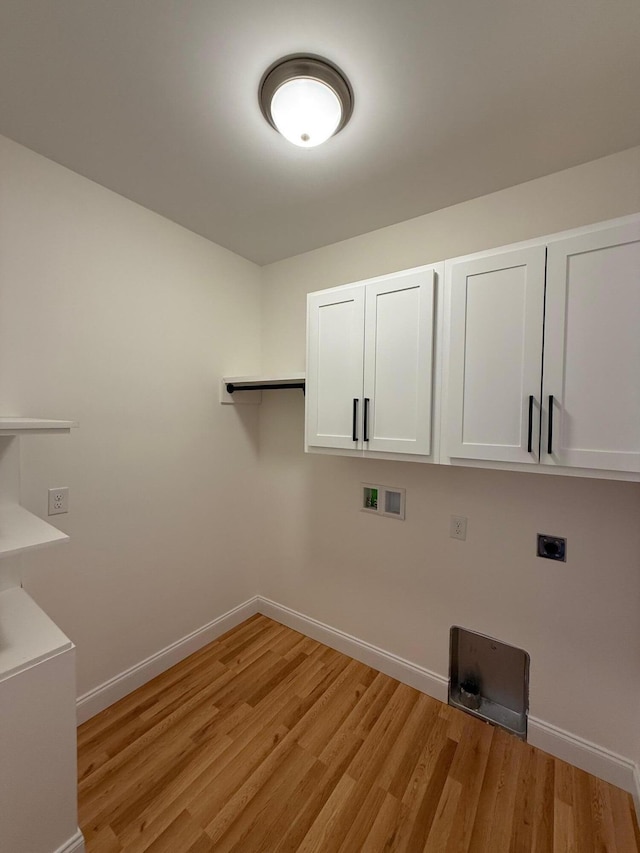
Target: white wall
[(402, 585), (116, 317)]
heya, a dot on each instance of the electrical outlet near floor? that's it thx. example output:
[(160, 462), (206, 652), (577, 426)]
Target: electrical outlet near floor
[(58, 500), (458, 527)]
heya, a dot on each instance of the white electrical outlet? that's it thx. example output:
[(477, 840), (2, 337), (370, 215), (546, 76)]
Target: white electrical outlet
[(58, 500), (458, 528)]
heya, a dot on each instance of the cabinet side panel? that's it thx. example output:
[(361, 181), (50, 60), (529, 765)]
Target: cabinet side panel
[(38, 803)]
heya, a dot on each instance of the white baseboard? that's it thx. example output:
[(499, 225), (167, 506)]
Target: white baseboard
[(121, 685), (403, 670), (595, 759), (584, 754), (74, 845)]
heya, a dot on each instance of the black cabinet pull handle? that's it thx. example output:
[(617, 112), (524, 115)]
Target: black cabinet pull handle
[(530, 434), (354, 433), (365, 429), (550, 433)]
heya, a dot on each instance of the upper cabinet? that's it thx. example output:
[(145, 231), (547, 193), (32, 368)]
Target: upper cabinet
[(335, 363), (528, 359), (542, 354), (591, 382), (370, 366), (495, 356)]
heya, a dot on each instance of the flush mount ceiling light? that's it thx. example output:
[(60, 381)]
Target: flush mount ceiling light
[(306, 98)]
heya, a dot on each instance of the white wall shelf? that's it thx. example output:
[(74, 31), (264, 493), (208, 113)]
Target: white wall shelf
[(21, 530), (17, 426), (248, 389), (28, 635)]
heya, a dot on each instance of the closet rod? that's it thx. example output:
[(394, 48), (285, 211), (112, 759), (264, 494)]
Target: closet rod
[(271, 386)]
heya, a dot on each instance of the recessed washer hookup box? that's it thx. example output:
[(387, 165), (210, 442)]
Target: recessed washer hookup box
[(489, 679)]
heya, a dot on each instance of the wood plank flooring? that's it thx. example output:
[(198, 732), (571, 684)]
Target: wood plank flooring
[(266, 741)]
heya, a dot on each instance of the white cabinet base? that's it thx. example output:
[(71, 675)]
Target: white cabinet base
[(38, 778)]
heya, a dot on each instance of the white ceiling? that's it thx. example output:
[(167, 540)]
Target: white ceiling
[(157, 100)]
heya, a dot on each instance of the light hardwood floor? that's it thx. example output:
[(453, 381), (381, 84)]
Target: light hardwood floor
[(268, 741)]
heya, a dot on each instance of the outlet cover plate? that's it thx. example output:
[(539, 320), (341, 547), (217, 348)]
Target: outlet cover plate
[(458, 527), (552, 547), (59, 500)]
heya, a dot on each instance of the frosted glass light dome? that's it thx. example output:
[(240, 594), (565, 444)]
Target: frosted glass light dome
[(306, 111), (305, 98)]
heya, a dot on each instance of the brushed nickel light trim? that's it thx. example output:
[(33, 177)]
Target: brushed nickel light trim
[(305, 66)]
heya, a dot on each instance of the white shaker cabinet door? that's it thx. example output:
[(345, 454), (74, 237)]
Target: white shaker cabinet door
[(495, 356), (591, 391), (398, 372), (335, 338)]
